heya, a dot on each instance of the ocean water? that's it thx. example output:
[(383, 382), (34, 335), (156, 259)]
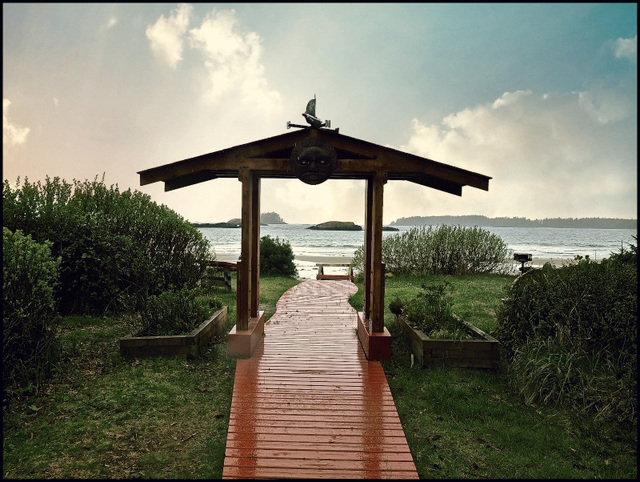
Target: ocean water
[(541, 243)]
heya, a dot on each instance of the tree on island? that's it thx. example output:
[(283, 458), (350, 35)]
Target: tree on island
[(265, 218), (271, 218)]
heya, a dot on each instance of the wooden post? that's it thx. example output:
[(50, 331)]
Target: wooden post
[(240, 294), (377, 268), (247, 334), (244, 267), (374, 338), (368, 236), (255, 245)]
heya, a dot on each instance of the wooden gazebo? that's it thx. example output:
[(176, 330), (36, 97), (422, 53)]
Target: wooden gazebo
[(282, 157)]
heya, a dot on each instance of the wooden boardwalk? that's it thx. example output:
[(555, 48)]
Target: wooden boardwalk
[(309, 404)]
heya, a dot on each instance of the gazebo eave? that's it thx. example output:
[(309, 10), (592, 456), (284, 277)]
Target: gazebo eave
[(270, 158)]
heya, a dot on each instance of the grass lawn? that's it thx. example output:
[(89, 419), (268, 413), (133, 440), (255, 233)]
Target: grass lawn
[(466, 423), (102, 416)]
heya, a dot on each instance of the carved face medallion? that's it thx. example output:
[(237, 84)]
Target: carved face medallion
[(313, 160)]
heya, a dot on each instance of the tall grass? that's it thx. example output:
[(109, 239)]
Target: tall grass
[(569, 336), (546, 372), (444, 249)]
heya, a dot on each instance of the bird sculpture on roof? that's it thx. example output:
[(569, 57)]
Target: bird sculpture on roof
[(310, 116)]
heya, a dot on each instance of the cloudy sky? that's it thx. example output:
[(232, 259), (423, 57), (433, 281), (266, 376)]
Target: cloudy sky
[(541, 97)]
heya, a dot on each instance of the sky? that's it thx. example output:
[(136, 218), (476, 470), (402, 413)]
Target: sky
[(541, 97)]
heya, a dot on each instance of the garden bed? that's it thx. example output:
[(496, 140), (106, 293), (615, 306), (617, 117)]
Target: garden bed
[(177, 345), (481, 352)]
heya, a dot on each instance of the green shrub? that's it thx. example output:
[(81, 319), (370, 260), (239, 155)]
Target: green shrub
[(445, 249), (397, 306), (29, 317), (570, 334), (174, 313), (276, 257), (627, 257), (431, 311), (116, 247), (589, 306)]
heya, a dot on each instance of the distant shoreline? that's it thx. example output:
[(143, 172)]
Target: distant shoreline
[(504, 222), (480, 221)]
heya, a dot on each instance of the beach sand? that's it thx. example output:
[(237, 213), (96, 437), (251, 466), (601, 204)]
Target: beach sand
[(325, 259), (305, 259), (539, 262)]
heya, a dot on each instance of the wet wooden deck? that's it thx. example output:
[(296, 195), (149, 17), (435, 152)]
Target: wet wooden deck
[(309, 404)]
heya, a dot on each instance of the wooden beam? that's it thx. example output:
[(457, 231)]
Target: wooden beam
[(226, 158), (189, 180), (346, 169), (358, 159), (432, 182)]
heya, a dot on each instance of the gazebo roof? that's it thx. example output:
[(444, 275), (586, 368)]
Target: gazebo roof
[(357, 159)]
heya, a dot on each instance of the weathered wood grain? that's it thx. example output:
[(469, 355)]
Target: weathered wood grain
[(309, 404)]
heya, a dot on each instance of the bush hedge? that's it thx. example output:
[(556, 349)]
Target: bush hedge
[(569, 335), (174, 313), (276, 257), (116, 248), (425, 250), (29, 317), (431, 311)]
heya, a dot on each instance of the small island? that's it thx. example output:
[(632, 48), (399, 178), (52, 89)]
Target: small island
[(232, 223), (271, 218), (265, 219), (337, 226)]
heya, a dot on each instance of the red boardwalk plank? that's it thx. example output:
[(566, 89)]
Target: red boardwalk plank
[(309, 404)]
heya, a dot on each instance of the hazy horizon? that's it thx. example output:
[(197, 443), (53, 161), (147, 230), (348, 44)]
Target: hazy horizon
[(434, 216)]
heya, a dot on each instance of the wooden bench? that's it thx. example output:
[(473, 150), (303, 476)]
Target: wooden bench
[(321, 274), (226, 268)]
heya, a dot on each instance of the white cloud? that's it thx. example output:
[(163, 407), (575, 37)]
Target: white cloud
[(166, 35), (233, 68), (233, 62), (627, 48), (604, 106), (111, 22), (12, 135), (552, 154)]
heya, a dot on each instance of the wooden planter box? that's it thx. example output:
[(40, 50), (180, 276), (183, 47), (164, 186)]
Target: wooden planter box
[(482, 352), (177, 345)]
